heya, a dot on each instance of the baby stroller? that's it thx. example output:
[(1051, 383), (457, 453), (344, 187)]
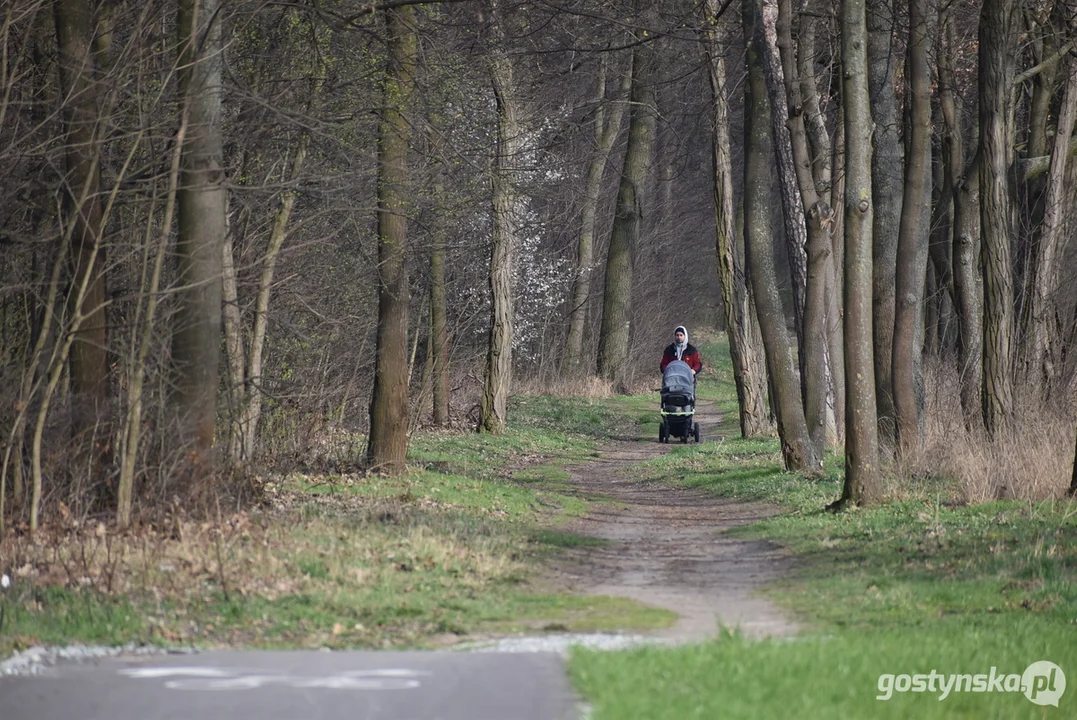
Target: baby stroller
[(678, 404)]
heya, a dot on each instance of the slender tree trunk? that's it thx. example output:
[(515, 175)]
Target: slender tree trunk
[(996, 55), (913, 236), (387, 446), (968, 293), (763, 16), (886, 174), (498, 384), (797, 449), (861, 424), (749, 371), (820, 218), (82, 205), (439, 333), (1041, 354), (253, 391), (835, 305), (201, 202), (613, 345), (607, 125)]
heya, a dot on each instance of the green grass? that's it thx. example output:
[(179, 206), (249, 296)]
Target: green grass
[(824, 676), (903, 587)]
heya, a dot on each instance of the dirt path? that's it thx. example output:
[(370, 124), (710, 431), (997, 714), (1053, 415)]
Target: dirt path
[(666, 548)]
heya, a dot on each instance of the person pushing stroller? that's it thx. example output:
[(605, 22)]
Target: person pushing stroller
[(680, 364)]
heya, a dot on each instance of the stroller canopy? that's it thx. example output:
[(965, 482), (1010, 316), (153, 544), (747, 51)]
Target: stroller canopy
[(677, 378)]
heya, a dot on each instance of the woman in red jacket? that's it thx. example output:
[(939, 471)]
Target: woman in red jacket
[(682, 350)]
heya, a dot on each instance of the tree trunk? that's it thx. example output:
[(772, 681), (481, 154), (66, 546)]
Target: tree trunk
[(1042, 346), (82, 207), (996, 60), (914, 232), (607, 125), (613, 344), (749, 371), (498, 384), (763, 16), (201, 204), (819, 215), (439, 333), (861, 424), (835, 306), (797, 449), (886, 174), (968, 293), (387, 446)]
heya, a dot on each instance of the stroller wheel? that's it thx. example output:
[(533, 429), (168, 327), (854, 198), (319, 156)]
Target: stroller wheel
[(663, 432), (695, 431)]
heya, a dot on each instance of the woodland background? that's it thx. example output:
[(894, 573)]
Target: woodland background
[(232, 233)]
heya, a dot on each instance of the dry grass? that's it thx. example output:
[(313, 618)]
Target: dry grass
[(1030, 459), (567, 386)]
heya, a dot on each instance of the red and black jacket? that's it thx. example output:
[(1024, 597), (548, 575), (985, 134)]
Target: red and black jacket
[(690, 356)]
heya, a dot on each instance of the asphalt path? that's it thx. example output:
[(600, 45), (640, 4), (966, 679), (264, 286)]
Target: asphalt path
[(297, 685)]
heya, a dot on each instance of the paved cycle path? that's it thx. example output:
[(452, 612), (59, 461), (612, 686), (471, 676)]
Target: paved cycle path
[(297, 685)]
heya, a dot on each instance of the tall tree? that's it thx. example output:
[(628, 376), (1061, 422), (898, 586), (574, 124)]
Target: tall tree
[(607, 124), (388, 443), (201, 207), (82, 120), (861, 428), (913, 235), (498, 382), (996, 61), (886, 174), (749, 370), (797, 449), (968, 292), (439, 326), (613, 343), (1042, 353)]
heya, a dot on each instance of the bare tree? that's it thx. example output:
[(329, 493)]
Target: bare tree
[(388, 443), (886, 173), (201, 207), (613, 344), (861, 439), (914, 232), (607, 124), (83, 121), (498, 382), (797, 449), (996, 55), (749, 370), (1042, 353)]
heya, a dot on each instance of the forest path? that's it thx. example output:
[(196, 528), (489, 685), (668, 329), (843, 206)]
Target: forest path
[(666, 545)]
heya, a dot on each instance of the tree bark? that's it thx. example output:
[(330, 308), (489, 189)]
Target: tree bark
[(615, 332), (439, 333), (763, 16), (1042, 346), (498, 379), (607, 124), (797, 449), (913, 236), (996, 61), (886, 174), (749, 370), (968, 292), (861, 424), (82, 207), (201, 206), (819, 217), (387, 445)]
